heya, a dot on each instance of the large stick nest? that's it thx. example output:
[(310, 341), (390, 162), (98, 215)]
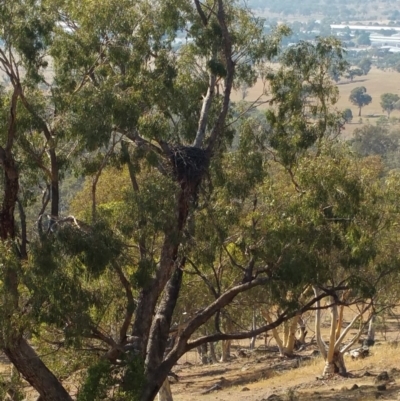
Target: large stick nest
[(189, 164)]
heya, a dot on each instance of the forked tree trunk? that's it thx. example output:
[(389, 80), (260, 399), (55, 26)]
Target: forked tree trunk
[(333, 352), (335, 365), (285, 346), (165, 394), (303, 332), (291, 339)]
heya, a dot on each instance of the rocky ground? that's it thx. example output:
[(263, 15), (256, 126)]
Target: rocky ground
[(264, 376)]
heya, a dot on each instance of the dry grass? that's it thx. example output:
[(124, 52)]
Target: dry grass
[(377, 82)]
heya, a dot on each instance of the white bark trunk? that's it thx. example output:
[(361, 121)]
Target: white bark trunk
[(371, 332), (226, 351), (253, 327)]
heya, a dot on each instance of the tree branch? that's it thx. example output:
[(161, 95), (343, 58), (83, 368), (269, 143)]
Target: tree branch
[(200, 11), (130, 307), (230, 71)]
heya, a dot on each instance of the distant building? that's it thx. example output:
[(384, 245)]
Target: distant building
[(366, 28)]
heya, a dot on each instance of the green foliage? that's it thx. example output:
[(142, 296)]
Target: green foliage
[(363, 39), (301, 93), (365, 65), (347, 115), (102, 377), (390, 102), (360, 97), (12, 387), (352, 72), (280, 199), (381, 140)]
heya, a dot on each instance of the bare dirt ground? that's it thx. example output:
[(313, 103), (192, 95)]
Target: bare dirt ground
[(263, 375), (260, 378)]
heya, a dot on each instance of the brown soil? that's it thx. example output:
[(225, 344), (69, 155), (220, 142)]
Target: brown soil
[(263, 375)]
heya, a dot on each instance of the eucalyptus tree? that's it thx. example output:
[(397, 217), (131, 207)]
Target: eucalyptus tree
[(359, 97), (101, 288), (116, 85)]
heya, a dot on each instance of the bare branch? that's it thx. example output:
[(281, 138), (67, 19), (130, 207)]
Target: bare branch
[(230, 71), (205, 109), (24, 241), (130, 305), (200, 11)]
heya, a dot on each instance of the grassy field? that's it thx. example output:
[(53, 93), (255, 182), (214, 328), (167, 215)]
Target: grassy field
[(376, 82)]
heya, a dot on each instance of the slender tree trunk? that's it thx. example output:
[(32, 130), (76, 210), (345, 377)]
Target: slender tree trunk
[(371, 332), (29, 364), (253, 327), (213, 356), (303, 331), (226, 351), (359, 112), (203, 351), (291, 340)]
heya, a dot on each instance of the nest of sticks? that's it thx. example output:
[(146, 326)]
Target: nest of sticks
[(189, 164)]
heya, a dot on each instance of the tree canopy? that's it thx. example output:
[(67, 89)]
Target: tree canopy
[(390, 102), (360, 98), (184, 205)]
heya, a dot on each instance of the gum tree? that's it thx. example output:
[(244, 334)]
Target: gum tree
[(99, 290)]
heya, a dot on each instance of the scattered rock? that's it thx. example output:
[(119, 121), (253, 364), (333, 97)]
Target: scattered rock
[(245, 389), (383, 376), (359, 353), (354, 387), (273, 397), (381, 387), (366, 373), (242, 353)]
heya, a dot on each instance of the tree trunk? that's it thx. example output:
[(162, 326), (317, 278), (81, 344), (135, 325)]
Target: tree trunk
[(371, 332), (28, 363), (359, 112), (226, 351), (253, 327), (303, 332), (291, 339), (213, 357), (335, 365), (165, 393), (202, 350)]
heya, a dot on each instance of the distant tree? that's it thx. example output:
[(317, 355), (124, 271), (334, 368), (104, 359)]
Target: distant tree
[(359, 97), (365, 65), (334, 74), (373, 140), (353, 72), (363, 39), (390, 102), (347, 115)]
